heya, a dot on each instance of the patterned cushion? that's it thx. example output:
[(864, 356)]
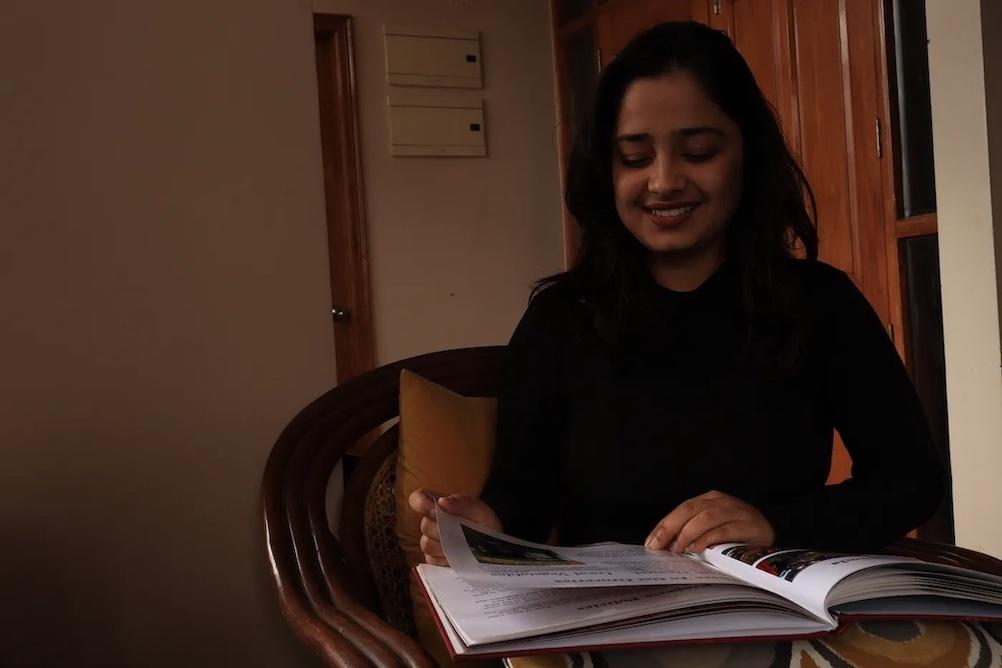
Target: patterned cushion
[(874, 644), (389, 569)]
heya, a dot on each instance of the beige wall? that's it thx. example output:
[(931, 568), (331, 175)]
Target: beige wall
[(991, 27), (164, 313), (163, 285), (969, 195), (455, 243)]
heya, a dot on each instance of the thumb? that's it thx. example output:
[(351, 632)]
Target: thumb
[(468, 507)]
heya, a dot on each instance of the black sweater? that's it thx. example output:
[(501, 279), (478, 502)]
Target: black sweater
[(604, 440)]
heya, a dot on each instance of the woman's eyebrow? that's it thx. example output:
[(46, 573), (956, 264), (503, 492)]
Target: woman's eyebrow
[(634, 137), (691, 132), (685, 133)]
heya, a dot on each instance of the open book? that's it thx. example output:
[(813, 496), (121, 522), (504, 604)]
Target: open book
[(505, 597)]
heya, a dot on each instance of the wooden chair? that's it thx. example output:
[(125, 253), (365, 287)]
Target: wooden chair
[(346, 597)]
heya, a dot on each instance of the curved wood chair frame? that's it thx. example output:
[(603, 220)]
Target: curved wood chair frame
[(324, 584)]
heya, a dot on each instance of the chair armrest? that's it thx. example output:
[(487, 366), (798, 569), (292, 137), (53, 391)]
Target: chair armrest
[(942, 553)]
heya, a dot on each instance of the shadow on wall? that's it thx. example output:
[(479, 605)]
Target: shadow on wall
[(55, 611)]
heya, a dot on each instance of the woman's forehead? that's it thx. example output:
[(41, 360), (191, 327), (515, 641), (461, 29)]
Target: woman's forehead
[(667, 103)]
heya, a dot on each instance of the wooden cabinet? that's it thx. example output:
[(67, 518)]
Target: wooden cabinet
[(621, 21)]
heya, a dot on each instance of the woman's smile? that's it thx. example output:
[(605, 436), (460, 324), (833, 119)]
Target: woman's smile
[(670, 215)]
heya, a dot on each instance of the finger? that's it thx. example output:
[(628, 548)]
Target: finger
[(429, 527), (431, 547), (708, 519), (436, 561), (667, 529), (422, 501), (465, 506), (471, 508), (748, 527), (731, 532)]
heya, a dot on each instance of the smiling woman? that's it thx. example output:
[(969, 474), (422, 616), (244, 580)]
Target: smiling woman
[(677, 172), (680, 385)]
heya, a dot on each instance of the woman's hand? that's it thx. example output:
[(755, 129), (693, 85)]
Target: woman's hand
[(709, 519), (423, 501)]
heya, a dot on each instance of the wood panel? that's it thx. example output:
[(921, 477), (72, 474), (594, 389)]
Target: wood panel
[(916, 226), (622, 21), (861, 58), (788, 90), (753, 32), (891, 177), (824, 139), (701, 11)]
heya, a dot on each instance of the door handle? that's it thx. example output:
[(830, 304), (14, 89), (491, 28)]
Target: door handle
[(339, 313)]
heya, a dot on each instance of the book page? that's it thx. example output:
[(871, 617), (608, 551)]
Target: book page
[(490, 558), (806, 577), (479, 615), (933, 606), (718, 626)]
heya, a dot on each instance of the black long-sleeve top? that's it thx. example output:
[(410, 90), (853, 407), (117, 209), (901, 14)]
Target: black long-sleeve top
[(604, 440)]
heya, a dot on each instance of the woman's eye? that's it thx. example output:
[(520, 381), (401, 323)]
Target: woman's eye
[(634, 161), (699, 157)]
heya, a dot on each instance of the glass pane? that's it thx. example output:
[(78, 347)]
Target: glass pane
[(926, 362), (582, 75), (568, 10), (910, 80)]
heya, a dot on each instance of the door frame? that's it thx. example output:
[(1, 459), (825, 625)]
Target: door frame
[(344, 195)]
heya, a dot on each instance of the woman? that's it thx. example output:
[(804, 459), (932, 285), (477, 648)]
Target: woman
[(679, 386)]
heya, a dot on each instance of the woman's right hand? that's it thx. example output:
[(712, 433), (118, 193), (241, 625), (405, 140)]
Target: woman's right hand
[(423, 502)]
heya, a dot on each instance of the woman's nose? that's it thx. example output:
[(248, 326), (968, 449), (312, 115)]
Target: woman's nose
[(664, 176)]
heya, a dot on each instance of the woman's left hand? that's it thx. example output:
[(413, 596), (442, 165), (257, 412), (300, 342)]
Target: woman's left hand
[(709, 519)]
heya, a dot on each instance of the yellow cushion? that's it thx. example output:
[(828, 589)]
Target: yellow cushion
[(446, 444)]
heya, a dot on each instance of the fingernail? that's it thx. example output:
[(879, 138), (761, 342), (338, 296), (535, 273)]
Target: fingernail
[(674, 546), (649, 542)]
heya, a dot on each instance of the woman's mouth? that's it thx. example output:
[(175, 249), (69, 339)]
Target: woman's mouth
[(672, 213), (670, 216)]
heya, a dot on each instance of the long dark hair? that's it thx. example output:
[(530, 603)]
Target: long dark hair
[(777, 210)]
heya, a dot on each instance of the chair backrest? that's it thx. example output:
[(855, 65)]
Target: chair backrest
[(341, 596)]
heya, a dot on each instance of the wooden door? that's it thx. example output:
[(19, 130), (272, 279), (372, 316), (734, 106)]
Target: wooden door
[(622, 21), (760, 29), (351, 311)]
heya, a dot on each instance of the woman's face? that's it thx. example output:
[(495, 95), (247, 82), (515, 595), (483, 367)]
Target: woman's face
[(676, 169)]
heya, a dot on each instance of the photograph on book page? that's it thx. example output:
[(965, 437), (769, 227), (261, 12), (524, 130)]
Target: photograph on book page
[(806, 577), (485, 557)]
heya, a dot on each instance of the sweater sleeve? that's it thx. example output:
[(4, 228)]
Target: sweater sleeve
[(897, 478), (523, 485)]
